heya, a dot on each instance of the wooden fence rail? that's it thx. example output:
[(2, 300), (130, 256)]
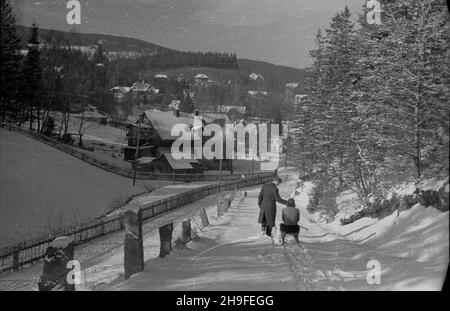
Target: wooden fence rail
[(17, 255)]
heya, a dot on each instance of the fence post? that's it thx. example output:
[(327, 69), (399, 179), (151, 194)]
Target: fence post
[(165, 235), (16, 259), (133, 246), (55, 274), (186, 231), (243, 196), (219, 207), (227, 204), (204, 218)]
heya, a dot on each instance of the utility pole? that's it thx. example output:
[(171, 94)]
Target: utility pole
[(285, 164), (253, 162), (286, 151), (220, 172), (137, 151)]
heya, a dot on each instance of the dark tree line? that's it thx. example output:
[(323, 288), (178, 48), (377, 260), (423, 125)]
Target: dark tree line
[(127, 71)]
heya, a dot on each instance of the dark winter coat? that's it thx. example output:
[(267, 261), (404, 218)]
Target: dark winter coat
[(267, 204), (290, 216)]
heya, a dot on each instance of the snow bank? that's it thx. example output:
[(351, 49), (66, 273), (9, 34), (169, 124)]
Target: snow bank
[(418, 233)]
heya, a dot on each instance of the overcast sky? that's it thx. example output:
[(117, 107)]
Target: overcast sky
[(277, 31)]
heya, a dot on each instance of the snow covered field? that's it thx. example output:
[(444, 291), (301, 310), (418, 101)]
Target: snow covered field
[(43, 189)]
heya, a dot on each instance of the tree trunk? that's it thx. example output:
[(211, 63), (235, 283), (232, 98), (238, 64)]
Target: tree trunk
[(38, 119), (31, 118), (63, 116), (417, 141), (3, 111), (44, 120), (80, 128)]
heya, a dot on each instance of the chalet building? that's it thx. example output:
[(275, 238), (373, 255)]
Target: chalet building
[(155, 141), (161, 82), (255, 99), (216, 118), (140, 87), (92, 114), (139, 93), (184, 166), (166, 163), (226, 109), (202, 79), (155, 137), (257, 93), (174, 104), (292, 85), (290, 90), (120, 93)]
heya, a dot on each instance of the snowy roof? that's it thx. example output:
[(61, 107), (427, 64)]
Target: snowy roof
[(146, 160), (226, 109), (122, 89), (292, 85), (140, 87), (161, 76), (254, 93), (213, 117), (163, 122), (300, 96), (201, 76), (175, 104), (90, 114), (178, 164)]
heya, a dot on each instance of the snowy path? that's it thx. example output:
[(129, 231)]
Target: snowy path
[(231, 255)]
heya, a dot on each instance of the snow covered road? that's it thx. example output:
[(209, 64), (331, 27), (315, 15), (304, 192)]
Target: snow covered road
[(411, 249), (231, 255)]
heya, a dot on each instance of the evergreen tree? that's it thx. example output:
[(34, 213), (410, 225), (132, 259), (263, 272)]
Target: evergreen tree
[(405, 81), (10, 59), (378, 98), (32, 77)]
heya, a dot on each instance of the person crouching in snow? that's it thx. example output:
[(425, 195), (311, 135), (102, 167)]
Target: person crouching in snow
[(290, 216)]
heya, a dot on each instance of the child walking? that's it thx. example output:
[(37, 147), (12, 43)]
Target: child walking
[(290, 216)]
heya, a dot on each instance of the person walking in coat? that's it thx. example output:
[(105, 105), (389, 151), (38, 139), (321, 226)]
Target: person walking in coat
[(267, 199)]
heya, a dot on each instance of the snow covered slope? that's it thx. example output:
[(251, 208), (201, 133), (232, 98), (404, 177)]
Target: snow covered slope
[(416, 235), (42, 189), (232, 255)]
